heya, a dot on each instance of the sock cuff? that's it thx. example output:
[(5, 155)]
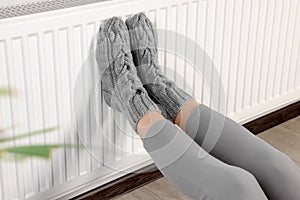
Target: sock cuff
[(139, 105), (171, 98)]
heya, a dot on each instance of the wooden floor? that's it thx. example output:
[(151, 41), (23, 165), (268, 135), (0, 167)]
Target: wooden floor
[(285, 137)]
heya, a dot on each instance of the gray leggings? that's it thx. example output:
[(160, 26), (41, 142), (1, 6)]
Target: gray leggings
[(239, 166)]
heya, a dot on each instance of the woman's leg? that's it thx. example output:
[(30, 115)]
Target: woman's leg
[(277, 174), (175, 153), (182, 162)]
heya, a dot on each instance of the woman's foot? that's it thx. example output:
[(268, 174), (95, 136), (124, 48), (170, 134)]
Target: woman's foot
[(121, 87), (143, 41)]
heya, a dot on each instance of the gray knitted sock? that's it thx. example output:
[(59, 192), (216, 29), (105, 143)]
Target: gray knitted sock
[(121, 86), (143, 40)]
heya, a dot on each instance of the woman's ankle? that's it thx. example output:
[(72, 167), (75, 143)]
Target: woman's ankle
[(183, 115), (146, 122)]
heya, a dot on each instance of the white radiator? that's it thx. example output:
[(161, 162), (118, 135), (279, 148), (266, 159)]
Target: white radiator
[(254, 46)]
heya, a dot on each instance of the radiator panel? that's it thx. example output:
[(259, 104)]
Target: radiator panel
[(254, 46)]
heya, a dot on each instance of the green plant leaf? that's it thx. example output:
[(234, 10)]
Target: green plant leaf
[(28, 134), (7, 91), (41, 151), (16, 158)]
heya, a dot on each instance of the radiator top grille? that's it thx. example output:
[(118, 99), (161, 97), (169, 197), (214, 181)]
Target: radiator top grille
[(41, 6)]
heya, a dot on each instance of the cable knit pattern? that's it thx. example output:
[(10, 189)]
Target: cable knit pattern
[(143, 41), (121, 87)]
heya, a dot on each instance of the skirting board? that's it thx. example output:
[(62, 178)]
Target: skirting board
[(150, 173)]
